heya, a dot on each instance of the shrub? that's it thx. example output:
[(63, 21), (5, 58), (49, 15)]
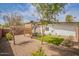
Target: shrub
[(9, 36), (57, 40), (36, 34), (40, 52), (68, 43)]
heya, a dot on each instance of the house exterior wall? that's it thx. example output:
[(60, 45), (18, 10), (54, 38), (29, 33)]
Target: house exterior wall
[(65, 30), (58, 29)]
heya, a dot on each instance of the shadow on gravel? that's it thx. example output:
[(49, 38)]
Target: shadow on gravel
[(64, 51), (25, 42), (5, 48)]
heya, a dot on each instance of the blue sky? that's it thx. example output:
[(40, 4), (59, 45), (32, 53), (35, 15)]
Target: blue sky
[(29, 12), (71, 9)]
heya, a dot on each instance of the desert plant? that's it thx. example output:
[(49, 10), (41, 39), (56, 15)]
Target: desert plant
[(40, 52), (68, 42), (9, 36)]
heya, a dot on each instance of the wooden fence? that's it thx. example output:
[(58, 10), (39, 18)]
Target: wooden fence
[(18, 30)]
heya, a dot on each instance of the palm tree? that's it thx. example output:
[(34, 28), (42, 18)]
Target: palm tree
[(48, 13), (69, 18)]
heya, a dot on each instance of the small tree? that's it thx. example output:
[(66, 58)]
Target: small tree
[(48, 13)]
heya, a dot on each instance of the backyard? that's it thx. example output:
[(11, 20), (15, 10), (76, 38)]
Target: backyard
[(27, 46), (37, 29)]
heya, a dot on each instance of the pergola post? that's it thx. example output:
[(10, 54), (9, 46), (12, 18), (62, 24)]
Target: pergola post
[(13, 39), (24, 29), (31, 30)]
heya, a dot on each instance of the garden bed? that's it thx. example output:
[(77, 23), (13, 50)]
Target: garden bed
[(56, 40)]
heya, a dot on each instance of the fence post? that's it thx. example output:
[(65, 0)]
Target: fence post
[(77, 33)]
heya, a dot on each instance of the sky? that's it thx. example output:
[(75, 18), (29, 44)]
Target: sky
[(29, 12)]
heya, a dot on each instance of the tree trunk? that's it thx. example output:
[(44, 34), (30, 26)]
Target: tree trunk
[(42, 35)]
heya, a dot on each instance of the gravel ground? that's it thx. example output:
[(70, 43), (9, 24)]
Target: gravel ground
[(25, 46)]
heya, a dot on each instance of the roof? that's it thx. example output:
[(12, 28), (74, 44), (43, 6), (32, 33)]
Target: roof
[(65, 23)]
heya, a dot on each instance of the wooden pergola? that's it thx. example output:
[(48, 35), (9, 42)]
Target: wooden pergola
[(24, 29)]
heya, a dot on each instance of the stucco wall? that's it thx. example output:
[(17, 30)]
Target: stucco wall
[(66, 30), (0, 33)]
